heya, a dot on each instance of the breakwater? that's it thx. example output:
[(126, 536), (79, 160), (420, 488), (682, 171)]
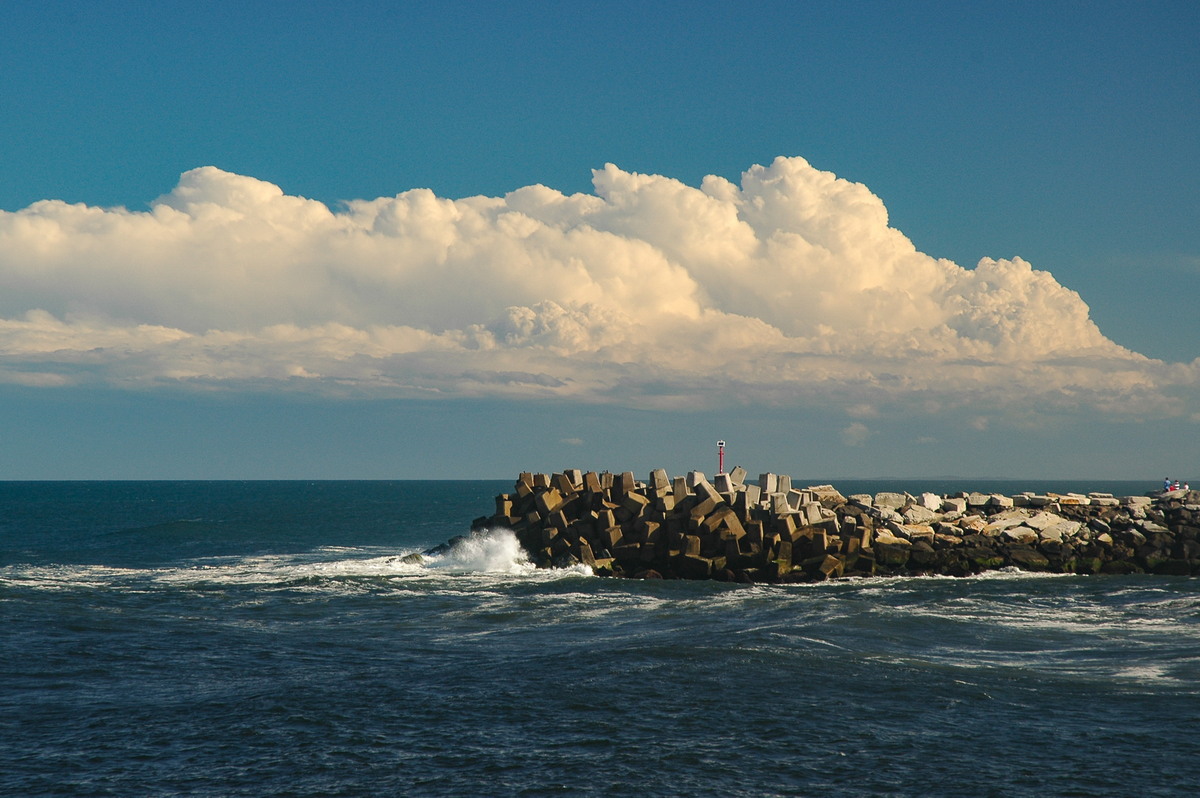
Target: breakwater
[(730, 529)]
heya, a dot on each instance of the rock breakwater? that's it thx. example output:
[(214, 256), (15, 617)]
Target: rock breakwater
[(733, 530)]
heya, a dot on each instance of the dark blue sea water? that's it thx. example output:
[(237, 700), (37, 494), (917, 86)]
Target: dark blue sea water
[(263, 639)]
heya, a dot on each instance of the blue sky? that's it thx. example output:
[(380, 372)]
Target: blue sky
[(1062, 134)]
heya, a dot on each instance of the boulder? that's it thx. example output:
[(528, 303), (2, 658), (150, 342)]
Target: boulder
[(919, 514), (955, 504), (892, 554), (892, 501), (1027, 559)]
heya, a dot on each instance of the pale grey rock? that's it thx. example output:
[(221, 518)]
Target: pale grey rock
[(891, 500)]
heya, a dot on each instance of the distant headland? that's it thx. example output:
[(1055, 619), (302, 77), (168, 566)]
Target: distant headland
[(730, 529)]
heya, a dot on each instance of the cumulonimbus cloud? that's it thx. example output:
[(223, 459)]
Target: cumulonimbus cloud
[(788, 288)]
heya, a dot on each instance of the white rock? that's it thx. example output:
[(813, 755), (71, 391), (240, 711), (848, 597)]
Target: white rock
[(930, 501), (1043, 521), (916, 514), (893, 500), (1021, 534)]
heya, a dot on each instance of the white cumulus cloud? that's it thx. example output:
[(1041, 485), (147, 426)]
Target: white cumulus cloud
[(788, 288)]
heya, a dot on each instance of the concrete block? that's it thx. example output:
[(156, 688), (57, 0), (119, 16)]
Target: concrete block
[(723, 483), (541, 480), (785, 483), (612, 537), (584, 553), (548, 501), (831, 567), (562, 483), (866, 537), (704, 490), (829, 522), (659, 481), (635, 503), (742, 505), (558, 520), (768, 483), (694, 566), (818, 543), (738, 475), (680, 489), (795, 499), (627, 553), (785, 526), (693, 477), (716, 518), (701, 508)]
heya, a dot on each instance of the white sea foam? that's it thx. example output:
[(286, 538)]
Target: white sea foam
[(488, 551), (66, 577), (486, 554)]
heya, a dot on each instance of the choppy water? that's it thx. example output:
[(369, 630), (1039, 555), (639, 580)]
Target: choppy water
[(264, 639)]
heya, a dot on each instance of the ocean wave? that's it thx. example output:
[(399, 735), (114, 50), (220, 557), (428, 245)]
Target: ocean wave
[(487, 555)]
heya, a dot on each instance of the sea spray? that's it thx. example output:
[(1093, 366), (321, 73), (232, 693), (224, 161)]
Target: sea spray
[(484, 551)]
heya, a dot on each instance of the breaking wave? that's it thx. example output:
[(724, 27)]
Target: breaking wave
[(492, 551), (487, 553)]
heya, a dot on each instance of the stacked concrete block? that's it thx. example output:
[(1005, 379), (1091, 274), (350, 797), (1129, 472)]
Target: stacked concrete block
[(689, 527)]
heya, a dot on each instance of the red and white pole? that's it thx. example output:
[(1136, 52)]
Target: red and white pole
[(720, 457)]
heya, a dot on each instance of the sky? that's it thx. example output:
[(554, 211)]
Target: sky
[(269, 240)]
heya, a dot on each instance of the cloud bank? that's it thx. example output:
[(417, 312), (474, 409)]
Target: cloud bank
[(788, 289)]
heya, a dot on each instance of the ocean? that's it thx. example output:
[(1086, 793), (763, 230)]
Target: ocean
[(267, 639)]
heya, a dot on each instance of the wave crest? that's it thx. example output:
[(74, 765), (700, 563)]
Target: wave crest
[(484, 551)]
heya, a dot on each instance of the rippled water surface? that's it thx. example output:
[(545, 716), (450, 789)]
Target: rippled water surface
[(266, 639)]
